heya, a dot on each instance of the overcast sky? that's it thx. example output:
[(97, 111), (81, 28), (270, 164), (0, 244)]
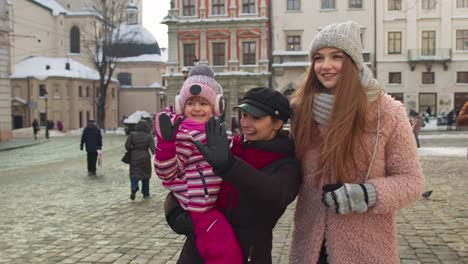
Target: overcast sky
[(153, 13)]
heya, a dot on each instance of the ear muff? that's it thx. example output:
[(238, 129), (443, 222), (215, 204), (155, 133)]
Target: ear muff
[(178, 107), (219, 105)]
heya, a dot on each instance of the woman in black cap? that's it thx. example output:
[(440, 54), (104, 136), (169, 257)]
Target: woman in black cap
[(260, 174)]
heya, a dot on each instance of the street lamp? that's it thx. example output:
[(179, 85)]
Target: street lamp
[(46, 117)]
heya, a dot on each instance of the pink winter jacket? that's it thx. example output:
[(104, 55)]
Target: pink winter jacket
[(369, 237)]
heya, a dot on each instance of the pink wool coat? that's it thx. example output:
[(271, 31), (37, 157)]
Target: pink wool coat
[(369, 237)]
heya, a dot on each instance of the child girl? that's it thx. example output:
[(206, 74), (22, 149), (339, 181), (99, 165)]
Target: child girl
[(184, 171)]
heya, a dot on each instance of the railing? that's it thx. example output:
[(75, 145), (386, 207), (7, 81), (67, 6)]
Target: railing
[(415, 55)]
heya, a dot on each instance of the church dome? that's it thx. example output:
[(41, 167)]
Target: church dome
[(134, 40)]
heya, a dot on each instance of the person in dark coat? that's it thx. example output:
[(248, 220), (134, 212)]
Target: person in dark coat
[(261, 177), (92, 138), (36, 128), (139, 143)]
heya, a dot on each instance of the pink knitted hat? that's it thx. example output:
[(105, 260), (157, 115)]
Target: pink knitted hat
[(201, 83)]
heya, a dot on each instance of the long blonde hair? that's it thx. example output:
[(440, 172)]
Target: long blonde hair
[(346, 127)]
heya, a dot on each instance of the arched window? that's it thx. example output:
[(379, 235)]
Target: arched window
[(125, 78), (75, 40)]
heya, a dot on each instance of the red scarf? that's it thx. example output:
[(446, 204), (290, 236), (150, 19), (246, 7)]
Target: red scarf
[(254, 157)]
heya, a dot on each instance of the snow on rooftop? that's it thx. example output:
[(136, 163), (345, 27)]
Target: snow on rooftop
[(143, 58), (53, 5), (36, 67), (135, 34), (155, 85), (136, 116)]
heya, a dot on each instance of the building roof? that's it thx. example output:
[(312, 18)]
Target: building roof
[(41, 68), (134, 40)]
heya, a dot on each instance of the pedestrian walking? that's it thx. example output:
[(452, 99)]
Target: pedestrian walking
[(140, 144), (92, 138), (36, 128), (359, 158), (417, 122)]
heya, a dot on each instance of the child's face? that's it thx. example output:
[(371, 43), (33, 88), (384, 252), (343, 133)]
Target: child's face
[(198, 109)]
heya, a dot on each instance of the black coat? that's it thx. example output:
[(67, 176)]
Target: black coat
[(91, 138), (262, 199), (138, 143)]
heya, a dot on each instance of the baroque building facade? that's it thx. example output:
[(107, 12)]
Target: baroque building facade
[(233, 37), (5, 89), (56, 33), (423, 53)]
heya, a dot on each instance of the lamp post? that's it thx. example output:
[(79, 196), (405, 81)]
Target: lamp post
[(46, 117)]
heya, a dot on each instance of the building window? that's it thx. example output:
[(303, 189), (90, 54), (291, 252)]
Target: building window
[(87, 91), (428, 78), (42, 90), (394, 42), (125, 78), (80, 91), (328, 4), (293, 5), (42, 119), (394, 5), (219, 58), (355, 4), (428, 43), (80, 119), (248, 6), (189, 54), (294, 43), (394, 77), (113, 92), (75, 40), (462, 77), (188, 8), (248, 52), (397, 96), (428, 103), (217, 7), (87, 116), (428, 4), (462, 39), (462, 3)]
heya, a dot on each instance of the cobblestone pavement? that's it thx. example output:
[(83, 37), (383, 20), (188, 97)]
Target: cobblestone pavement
[(52, 212)]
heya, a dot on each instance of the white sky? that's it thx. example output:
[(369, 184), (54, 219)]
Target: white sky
[(153, 13)]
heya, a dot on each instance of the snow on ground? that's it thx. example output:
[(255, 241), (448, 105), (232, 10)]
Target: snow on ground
[(443, 151)]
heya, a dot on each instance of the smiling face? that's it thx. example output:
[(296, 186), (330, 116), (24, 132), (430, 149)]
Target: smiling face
[(198, 109), (328, 63), (259, 128)]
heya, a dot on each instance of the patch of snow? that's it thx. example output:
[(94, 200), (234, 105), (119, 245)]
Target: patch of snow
[(143, 58), (136, 116), (53, 5), (21, 100), (36, 67), (155, 85), (134, 34), (440, 136), (443, 151)]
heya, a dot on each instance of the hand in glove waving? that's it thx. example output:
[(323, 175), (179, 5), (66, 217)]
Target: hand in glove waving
[(347, 198), (216, 151), (165, 129)]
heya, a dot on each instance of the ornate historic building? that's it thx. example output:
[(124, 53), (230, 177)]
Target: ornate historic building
[(5, 90), (231, 36), (54, 35)]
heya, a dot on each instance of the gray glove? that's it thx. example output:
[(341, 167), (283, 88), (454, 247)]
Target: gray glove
[(347, 198)]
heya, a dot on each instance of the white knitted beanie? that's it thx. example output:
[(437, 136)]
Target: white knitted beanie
[(346, 37)]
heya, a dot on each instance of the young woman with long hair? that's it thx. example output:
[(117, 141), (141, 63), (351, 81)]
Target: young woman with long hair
[(358, 154)]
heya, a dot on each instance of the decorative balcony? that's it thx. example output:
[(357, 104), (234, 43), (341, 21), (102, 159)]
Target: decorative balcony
[(429, 57)]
